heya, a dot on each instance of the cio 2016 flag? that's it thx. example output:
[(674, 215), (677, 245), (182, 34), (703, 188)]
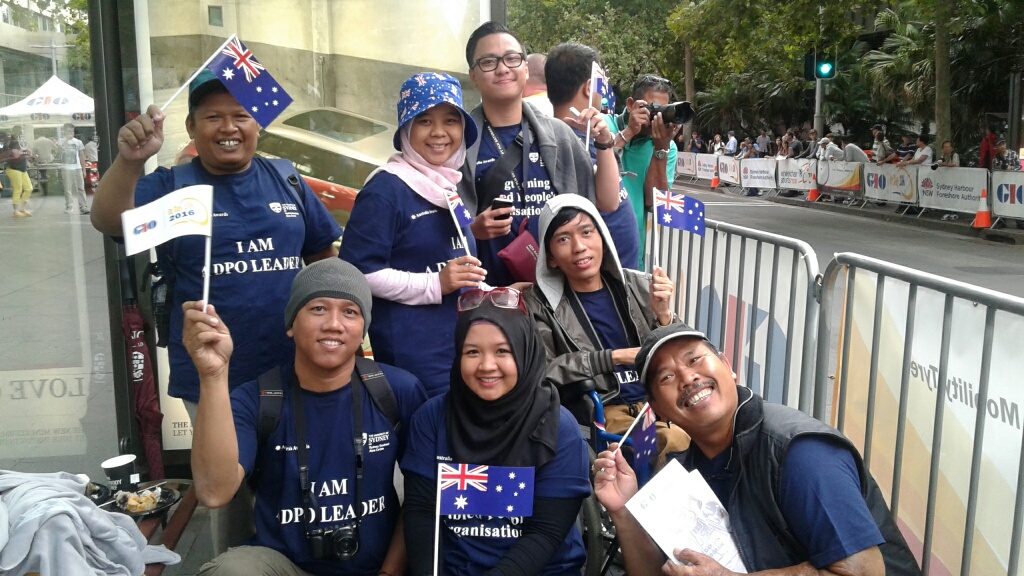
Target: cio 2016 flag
[(485, 490), (249, 82), (180, 213), (679, 211)]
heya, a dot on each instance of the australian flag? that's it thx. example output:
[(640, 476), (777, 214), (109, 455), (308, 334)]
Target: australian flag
[(679, 212), (249, 82), (485, 490), (601, 86), (645, 438), (462, 215)]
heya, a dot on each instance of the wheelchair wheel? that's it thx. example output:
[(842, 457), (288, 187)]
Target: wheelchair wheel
[(590, 525)]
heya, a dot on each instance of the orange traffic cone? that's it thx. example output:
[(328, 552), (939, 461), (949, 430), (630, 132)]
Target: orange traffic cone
[(714, 180), (983, 219), (812, 194)]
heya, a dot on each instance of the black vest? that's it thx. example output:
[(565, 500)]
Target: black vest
[(761, 435)]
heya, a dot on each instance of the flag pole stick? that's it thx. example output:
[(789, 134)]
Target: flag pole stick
[(197, 72), (206, 274), (592, 87), (437, 521), (656, 248), (647, 406)]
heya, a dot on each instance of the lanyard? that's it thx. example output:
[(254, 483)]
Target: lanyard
[(308, 497)]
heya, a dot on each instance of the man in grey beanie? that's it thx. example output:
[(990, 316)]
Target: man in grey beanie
[(308, 463)]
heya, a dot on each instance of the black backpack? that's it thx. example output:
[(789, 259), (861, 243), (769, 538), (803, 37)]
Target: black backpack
[(271, 395)]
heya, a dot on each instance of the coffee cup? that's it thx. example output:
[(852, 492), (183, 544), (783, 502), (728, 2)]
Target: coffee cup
[(121, 474)]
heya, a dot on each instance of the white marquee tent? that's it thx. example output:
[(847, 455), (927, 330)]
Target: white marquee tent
[(55, 102)]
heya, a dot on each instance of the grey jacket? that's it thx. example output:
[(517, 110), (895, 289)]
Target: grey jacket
[(572, 357), (568, 164)]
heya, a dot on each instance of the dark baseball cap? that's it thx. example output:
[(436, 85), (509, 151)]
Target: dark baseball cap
[(203, 85), (656, 340)]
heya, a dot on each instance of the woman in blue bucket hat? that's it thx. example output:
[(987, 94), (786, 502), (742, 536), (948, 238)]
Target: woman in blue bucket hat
[(415, 248)]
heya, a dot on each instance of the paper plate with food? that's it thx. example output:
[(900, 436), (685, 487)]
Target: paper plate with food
[(145, 502)]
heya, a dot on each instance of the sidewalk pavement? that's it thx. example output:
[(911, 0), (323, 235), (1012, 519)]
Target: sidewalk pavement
[(889, 212)]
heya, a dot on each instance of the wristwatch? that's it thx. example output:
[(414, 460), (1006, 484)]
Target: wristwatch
[(661, 154)]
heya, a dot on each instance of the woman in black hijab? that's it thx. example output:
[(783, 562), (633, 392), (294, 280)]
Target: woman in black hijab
[(498, 413)]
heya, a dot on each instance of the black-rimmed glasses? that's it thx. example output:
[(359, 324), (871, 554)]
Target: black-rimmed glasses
[(490, 63), (507, 298)]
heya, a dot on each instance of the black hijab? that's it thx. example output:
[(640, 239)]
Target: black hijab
[(521, 427)]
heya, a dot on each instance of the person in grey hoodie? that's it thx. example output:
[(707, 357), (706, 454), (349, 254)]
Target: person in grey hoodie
[(592, 314)]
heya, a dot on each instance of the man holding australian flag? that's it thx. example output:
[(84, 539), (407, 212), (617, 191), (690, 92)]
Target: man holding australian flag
[(265, 224)]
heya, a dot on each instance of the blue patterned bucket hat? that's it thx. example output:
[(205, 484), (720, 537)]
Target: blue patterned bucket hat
[(424, 91)]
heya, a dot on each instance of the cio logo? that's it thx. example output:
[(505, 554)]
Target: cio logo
[(1010, 193), (876, 181), (188, 210), (144, 227), (276, 207)]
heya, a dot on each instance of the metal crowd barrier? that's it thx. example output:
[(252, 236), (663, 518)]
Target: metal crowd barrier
[(930, 293), (753, 294)]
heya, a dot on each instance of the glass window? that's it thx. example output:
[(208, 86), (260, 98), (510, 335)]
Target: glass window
[(216, 14)]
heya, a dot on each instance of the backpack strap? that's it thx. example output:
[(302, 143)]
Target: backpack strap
[(379, 389), (271, 398), (286, 170)]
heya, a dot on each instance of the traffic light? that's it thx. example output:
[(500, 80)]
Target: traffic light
[(809, 66), (824, 67)]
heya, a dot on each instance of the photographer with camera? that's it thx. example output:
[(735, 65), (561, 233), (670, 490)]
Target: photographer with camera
[(316, 440), (645, 132)]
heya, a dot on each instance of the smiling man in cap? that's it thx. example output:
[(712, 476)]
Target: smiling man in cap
[(263, 228), (799, 496)]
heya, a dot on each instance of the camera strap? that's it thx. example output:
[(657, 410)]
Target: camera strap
[(308, 497)]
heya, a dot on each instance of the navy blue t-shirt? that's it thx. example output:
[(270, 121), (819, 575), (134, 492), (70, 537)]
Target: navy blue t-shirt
[(621, 223), (279, 515), (394, 227), (565, 476), (535, 191), (822, 505), (600, 308), (259, 237)]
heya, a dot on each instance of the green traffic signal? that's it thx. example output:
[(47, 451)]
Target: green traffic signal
[(824, 68)]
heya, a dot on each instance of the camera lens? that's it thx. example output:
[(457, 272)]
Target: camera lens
[(345, 540)]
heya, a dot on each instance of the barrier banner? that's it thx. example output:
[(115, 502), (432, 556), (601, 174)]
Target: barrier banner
[(757, 173), (952, 189), (1007, 194), (840, 178), (729, 169), (706, 166), (890, 182), (686, 163), (1000, 448), (797, 174)]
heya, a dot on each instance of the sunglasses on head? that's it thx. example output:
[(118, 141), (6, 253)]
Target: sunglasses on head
[(507, 298)]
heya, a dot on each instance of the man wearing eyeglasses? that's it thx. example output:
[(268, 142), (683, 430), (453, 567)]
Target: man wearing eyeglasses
[(648, 147), (521, 156), (799, 497)]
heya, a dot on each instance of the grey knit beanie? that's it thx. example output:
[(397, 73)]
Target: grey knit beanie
[(329, 278)]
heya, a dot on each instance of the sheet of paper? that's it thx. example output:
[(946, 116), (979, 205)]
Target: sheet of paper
[(679, 510)]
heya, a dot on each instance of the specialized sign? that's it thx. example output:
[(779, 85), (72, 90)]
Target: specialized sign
[(963, 404), (707, 164), (1007, 194), (890, 182), (952, 189), (758, 173), (729, 169), (840, 178), (799, 174), (686, 163)]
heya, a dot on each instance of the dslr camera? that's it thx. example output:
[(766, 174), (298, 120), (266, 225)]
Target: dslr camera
[(341, 542), (674, 113)]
